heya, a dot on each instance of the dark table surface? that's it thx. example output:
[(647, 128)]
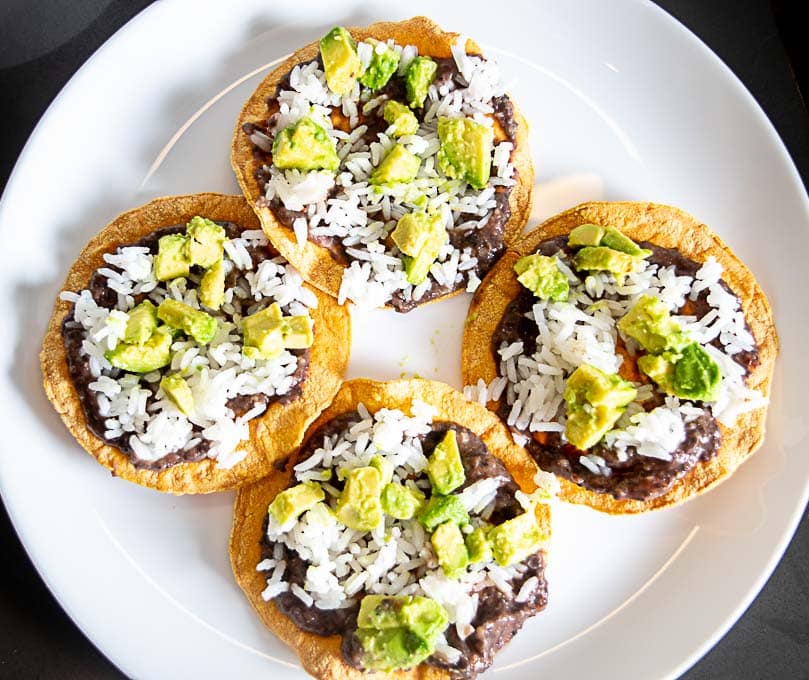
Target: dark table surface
[(43, 42)]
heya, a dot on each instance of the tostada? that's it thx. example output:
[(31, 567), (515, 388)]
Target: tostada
[(629, 350), (386, 163), (407, 535), (184, 353)]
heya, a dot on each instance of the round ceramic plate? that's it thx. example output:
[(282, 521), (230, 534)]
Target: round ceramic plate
[(641, 110)]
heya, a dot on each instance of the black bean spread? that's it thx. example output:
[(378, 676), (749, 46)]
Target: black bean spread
[(498, 617), (638, 477), (79, 363)]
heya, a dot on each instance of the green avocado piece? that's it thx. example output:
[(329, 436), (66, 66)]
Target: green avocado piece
[(399, 501), (542, 277), (586, 235), (384, 62), (141, 324), (177, 389), (444, 467), (617, 241), (341, 63), (381, 611), (595, 400), (143, 358), (450, 549), (212, 286), (419, 236), (466, 150), (650, 325), (297, 332), (392, 648), (516, 539), (172, 260), (402, 119), (205, 241), (478, 545), (398, 166), (263, 333), (384, 466), (601, 258), (304, 145), (690, 373), (425, 617), (193, 322), (418, 78), (440, 509), (359, 506), (294, 501)]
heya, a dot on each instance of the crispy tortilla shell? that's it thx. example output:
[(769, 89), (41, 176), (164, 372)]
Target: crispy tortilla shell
[(670, 228), (312, 260), (320, 655), (272, 435)]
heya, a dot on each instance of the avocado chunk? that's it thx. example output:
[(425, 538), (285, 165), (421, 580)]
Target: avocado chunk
[(516, 539), (143, 358), (586, 235), (419, 236), (690, 373), (650, 325), (297, 332), (359, 506), (601, 258), (424, 617), (177, 389), (172, 260), (141, 324), (294, 501), (263, 333), (401, 118), (398, 166), (383, 64), (341, 63), (392, 648), (444, 467), (450, 549), (304, 145), (478, 545), (440, 509), (193, 322), (205, 240), (399, 501), (466, 150), (542, 277), (418, 78), (595, 400), (381, 611), (617, 241), (212, 286), (384, 466)]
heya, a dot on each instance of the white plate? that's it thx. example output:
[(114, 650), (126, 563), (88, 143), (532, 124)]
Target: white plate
[(624, 103)]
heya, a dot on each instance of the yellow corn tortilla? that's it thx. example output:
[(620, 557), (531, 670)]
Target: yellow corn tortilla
[(319, 655), (670, 228), (312, 260), (272, 435)]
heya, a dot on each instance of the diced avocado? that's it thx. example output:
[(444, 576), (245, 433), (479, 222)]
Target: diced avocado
[(586, 235), (450, 549), (440, 509), (172, 259), (542, 277), (381, 611), (141, 324), (296, 500), (400, 502), (516, 539), (595, 400), (402, 119), (466, 150), (617, 241), (297, 332), (444, 467), (263, 333), (359, 506), (205, 239), (419, 236), (193, 322), (650, 325), (398, 166), (383, 64), (392, 648), (384, 466), (425, 617), (177, 389), (418, 78), (304, 145), (690, 373), (341, 63), (660, 368), (212, 286), (149, 356), (601, 258), (478, 545)]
